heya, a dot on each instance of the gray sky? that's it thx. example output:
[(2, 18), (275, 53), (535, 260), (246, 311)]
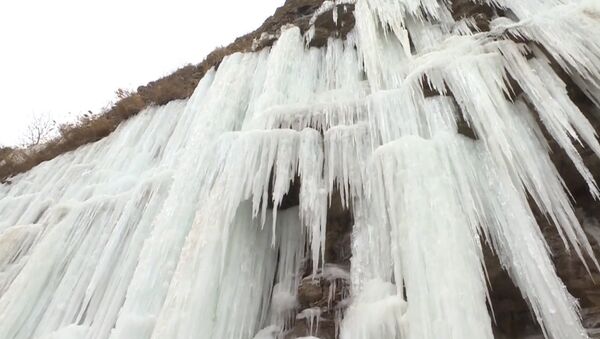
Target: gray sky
[(69, 56)]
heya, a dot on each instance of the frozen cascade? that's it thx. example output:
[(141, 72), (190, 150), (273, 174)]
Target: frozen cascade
[(177, 225)]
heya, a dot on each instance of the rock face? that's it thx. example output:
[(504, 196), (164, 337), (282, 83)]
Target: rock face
[(300, 13), (481, 13)]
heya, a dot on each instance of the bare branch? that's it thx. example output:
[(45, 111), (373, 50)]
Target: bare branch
[(40, 129)]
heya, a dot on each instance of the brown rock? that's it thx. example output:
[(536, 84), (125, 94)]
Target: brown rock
[(309, 292), (326, 27), (469, 9)]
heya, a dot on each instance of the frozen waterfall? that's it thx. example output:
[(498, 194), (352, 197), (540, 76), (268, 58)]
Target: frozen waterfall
[(171, 227)]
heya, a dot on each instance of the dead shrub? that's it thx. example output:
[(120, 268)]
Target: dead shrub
[(5, 152), (127, 107)]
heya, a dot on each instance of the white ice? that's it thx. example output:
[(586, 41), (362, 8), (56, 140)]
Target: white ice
[(174, 227)]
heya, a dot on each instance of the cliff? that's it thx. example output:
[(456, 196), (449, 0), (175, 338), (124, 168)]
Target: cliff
[(355, 170)]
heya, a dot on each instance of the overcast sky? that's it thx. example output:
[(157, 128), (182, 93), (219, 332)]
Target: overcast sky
[(69, 56)]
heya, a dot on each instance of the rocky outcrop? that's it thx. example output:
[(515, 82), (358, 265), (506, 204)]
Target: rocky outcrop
[(479, 12)]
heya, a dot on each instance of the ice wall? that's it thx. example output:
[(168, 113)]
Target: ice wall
[(170, 227)]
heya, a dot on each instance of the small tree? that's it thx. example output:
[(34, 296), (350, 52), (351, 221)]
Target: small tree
[(40, 129)]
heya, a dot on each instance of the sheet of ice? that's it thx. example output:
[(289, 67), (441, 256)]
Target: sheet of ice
[(196, 305), (347, 149), (162, 248), (430, 231), (292, 244), (377, 312), (15, 243), (79, 266), (313, 194), (171, 227)]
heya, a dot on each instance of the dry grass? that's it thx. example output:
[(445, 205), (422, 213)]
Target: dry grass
[(87, 129)]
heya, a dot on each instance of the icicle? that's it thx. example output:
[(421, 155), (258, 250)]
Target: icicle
[(336, 97), (435, 243), (371, 252), (558, 113), (291, 73), (313, 194), (569, 33), (312, 316), (346, 152), (15, 242), (161, 250), (383, 56), (158, 231), (515, 236), (291, 254), (522, 250)]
